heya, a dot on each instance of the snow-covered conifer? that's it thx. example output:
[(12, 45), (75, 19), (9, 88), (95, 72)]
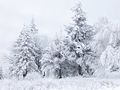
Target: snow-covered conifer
[(52, 59), (81, 34), (25, 52)]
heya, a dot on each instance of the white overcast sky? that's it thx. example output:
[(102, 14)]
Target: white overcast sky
[(50, 15)]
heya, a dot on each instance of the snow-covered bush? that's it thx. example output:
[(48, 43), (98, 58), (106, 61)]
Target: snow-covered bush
[(69, 68), (103, 29), (110, 58), (33, 76)]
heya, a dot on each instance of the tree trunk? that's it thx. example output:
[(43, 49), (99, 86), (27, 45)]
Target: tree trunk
[(43, 74), (87, 69), (60, 73), (80, 70), (25, 73)]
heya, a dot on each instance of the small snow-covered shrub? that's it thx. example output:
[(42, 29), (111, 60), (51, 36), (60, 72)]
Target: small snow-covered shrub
[(33, 76), (69, 68), (114, 68)]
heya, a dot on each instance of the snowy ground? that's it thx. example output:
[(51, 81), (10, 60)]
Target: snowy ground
[(76, 83)]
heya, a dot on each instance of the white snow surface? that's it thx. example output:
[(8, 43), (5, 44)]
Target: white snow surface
[(73, 83)]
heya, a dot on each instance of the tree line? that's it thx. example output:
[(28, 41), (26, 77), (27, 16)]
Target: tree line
[(73, 55)]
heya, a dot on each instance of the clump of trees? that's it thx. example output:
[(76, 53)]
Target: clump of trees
[(73, 55), (80, 52)]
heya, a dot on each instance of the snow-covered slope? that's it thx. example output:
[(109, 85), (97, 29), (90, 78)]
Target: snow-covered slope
[(76, 83)]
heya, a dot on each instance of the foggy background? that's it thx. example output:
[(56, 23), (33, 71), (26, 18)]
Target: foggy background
[(50, 16)]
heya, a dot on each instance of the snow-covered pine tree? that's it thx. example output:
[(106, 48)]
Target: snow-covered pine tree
[(25, 52), (52, 59), (37, 43), (81, 34)]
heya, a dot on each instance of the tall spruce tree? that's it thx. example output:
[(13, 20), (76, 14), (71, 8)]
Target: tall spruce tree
[(80, 35), (25, 52)]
